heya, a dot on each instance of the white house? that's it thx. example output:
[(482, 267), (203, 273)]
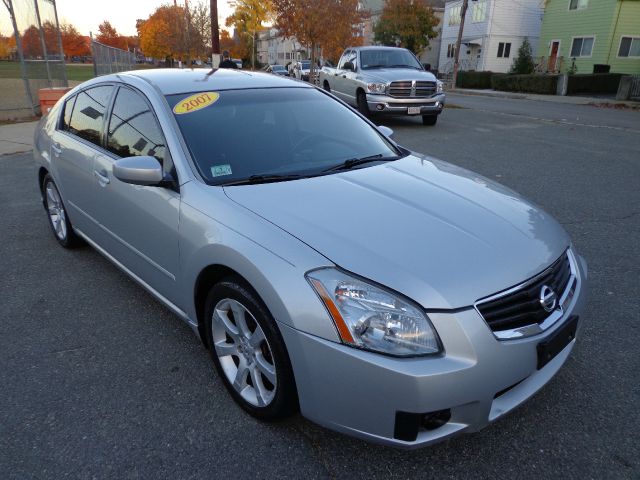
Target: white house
[(493, 32), (273, 48)]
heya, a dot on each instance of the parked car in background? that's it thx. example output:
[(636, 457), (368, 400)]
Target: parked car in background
[(301, 70), (385, 80), (277, 70), (238, 62), (386, 294)]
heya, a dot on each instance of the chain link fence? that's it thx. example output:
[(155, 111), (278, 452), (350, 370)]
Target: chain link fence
[(108, 59), (31, 55)]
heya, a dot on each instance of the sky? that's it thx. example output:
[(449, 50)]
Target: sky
[(86, 15)]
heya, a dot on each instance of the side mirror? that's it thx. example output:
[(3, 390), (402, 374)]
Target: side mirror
[(426, 66), (138, 170), (349, 66), (386, 131)]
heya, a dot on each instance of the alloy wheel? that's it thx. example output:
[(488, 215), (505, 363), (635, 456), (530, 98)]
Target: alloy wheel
[(244, 352), (57, 215)]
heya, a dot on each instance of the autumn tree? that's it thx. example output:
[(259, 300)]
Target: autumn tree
[(108, 35), (5, 49), (201, 21), (31, 46), (73, 43), (170, 33), (247, 19), (333, 24), (227, 42), (406, 23)]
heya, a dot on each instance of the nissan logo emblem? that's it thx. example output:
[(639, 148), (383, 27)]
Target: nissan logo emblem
[(548, 298)]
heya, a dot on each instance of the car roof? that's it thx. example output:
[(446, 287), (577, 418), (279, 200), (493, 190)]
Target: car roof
[(172, 80)]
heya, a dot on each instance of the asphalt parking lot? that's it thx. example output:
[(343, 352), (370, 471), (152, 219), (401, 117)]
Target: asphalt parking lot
[(98, 380)]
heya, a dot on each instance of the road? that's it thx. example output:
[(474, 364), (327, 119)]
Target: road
[(99, 380)]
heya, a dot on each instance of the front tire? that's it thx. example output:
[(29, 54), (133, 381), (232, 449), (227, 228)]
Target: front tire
[(248, 351), (58, 218), (429, 119), (361, 99), (326, 86)]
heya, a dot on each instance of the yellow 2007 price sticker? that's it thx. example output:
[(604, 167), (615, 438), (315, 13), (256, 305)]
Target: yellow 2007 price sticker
[(195, 102)]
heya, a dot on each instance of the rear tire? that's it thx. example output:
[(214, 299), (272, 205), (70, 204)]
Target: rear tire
[(248, 351), (429, 119), (57, 213), (361, 99)]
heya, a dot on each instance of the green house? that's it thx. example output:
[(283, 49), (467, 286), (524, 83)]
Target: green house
[(588, 33)]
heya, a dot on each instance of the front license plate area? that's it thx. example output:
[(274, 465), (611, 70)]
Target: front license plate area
[(414, 110), (552, 346)]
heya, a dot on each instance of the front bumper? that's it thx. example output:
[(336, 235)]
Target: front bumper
[(478, 378), (399, 106)]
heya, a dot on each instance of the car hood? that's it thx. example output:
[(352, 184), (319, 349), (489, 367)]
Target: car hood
[(393, 74), (439, 234)]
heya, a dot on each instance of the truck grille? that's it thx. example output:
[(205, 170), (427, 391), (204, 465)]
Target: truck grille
[(404, 89), (522, 307)]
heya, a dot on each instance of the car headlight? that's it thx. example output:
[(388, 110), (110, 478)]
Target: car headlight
[(377, 87), (440, 86), (373, 318)]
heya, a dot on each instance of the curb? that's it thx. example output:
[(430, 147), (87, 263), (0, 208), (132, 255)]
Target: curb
[(592, 101)]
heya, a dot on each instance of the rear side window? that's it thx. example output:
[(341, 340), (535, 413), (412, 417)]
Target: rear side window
[(133, 128), (68, 108), (87, 118)]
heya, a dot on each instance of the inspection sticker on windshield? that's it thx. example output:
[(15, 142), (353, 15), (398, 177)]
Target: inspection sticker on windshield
[(220, 170), (195, 102)]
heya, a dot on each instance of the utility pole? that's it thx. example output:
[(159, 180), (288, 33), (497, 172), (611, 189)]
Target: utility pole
[(463, 13), (215, 34)]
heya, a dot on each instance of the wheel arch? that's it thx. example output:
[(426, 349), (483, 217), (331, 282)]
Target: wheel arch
[(42, 172), (209, 276)]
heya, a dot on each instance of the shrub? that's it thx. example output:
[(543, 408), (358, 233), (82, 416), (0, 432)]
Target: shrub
[(593, 83), (523, 63), (474, 80), (546, 84)]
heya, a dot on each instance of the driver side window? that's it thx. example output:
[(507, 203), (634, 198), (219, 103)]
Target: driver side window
[(346, 57), (133, 129)]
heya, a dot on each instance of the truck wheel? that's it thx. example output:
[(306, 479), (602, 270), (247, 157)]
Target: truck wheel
[(363, 108), (326, 86), (429, 119)]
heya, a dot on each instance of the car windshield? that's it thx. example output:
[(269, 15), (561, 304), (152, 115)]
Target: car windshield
[(274, 131), (278, 67), (305, 65), (388, 58)]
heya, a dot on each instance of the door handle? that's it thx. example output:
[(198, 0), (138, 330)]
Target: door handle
[(102, 177), (56, 149)]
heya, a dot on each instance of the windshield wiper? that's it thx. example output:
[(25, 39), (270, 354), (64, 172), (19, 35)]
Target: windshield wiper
[(264, 178), (354, 162)]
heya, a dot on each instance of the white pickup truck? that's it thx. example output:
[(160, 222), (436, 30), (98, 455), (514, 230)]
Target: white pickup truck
[(385, 80)]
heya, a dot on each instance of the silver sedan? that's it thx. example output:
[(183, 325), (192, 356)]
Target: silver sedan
[(383, 293)]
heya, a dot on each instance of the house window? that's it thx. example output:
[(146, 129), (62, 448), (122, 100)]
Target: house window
[(451, 50), (629, 47), (504, 50), (479, 11), (582, 47), (454, 15), (578, 4)]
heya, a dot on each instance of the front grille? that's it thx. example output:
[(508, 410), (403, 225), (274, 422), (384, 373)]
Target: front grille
[(522, 307), (404, 89)]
